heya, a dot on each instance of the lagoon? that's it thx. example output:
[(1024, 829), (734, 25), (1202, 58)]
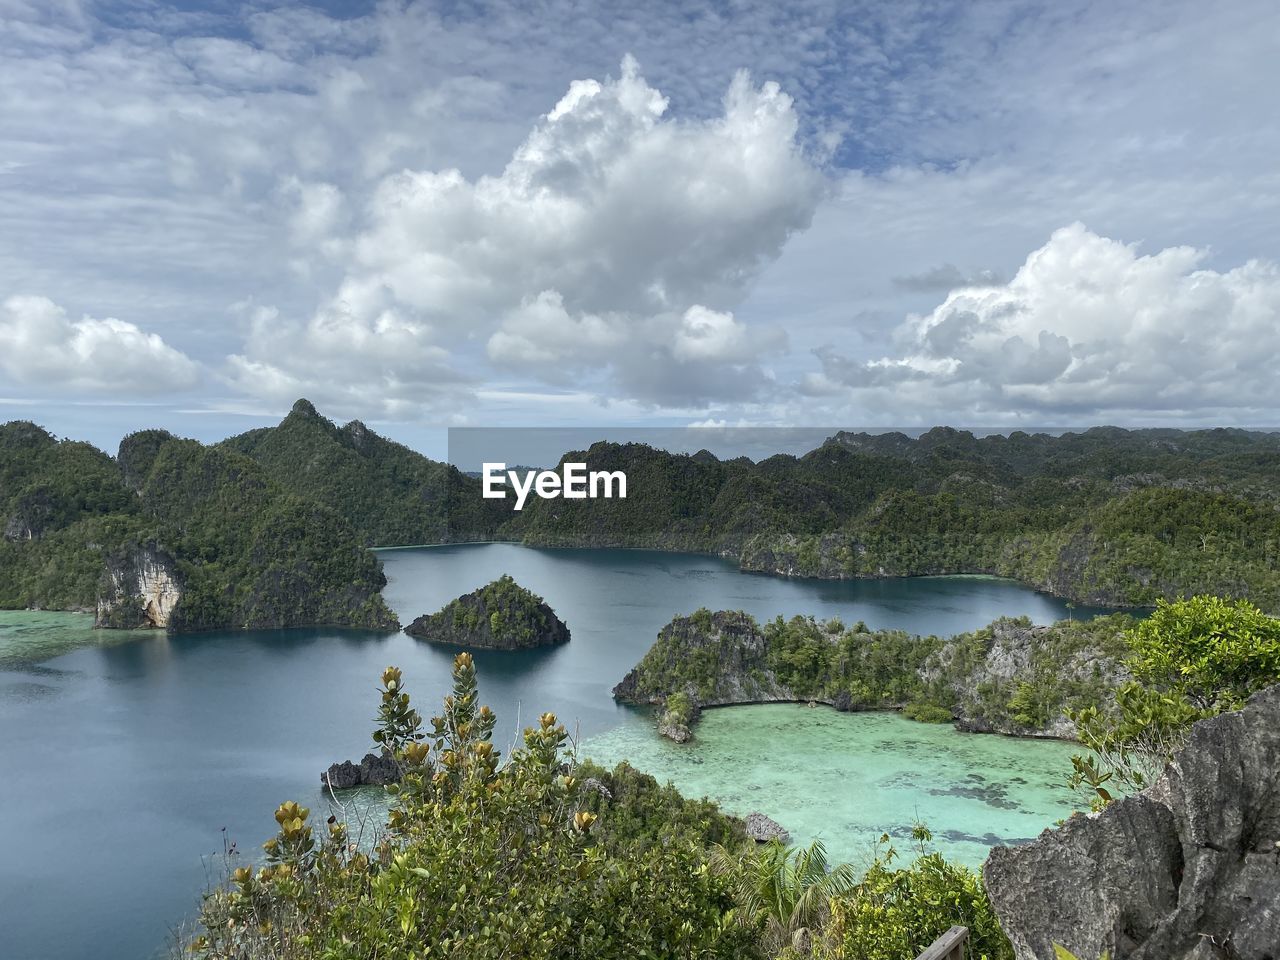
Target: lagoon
[(131, 761)]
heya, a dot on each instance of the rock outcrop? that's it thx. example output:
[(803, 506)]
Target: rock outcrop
[(674, 731), (716, 658), (374, 770), (826, 557), (1187, 870), (1064, 659), (762, 829), (723, 658), (140, 589), (501, 615)]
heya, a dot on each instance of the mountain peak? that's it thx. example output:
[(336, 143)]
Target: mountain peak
[(303, 408)]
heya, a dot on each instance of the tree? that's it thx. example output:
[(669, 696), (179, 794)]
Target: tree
[(1189, 660), (789, 889), (894, 913)]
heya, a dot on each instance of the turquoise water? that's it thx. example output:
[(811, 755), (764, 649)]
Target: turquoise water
[(848, 778), (130, 760), (27, 636)]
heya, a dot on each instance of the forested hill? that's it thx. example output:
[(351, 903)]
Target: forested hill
[(175, 534), (269, 527), (390, 494), (1107, 516)]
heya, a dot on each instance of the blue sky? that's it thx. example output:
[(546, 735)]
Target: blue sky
[(572, 213)]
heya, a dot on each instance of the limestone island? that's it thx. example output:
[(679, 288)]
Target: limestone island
[(1011, 677), (501, 615)]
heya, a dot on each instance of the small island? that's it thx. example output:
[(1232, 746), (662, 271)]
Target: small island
[(501, 615)]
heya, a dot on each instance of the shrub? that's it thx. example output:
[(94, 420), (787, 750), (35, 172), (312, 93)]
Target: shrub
[(896, 912), (679, 709), (927, 713), (482, 859), (1189, 660)]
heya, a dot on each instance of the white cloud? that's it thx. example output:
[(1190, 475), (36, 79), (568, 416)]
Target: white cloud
[(542, 333), (42, 347), (1087, 326), (156, 169), (598, 248), (358, 356), (709, 335), (316, 215)]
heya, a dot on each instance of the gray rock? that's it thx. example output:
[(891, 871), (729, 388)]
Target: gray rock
[(762, 829), (1187, 870), (676, 732), (591, 783), (341, 776), (377, 770)]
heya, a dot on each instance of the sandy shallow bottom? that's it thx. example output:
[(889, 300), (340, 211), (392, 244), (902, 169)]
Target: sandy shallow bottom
[(849, 778)]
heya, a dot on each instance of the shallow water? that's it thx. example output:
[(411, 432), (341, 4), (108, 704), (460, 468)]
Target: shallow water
[(848, 778), (129, 761), (27, 635)]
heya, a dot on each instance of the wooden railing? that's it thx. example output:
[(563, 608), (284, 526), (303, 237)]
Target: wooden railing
[(949, 946)]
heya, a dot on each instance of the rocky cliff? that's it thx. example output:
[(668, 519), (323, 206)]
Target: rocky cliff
[(1011, 677), (1187, 870), (140, 588), (501, 615), (1017, 678), (716, 658)]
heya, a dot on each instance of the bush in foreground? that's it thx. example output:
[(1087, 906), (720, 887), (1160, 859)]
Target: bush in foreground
[(481, 860), (896, 912)]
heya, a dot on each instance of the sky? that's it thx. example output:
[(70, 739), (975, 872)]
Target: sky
[(591, 214)]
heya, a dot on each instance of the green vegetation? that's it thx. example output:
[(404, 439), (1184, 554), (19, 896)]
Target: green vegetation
[(877, 669), (501, 614), (1106, 516), (482, 859), (389, 494), (634, 812), (1011, 676), (678, 709), (62, 506), (540, 855), (788, 891), (1189, 660), (241, 551), (894, 913)]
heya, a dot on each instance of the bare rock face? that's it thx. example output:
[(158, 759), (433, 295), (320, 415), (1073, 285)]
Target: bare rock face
[(378, 769), (374, 770), (762, 829), (675, 732), (140, 588), (1187, 870), (733, 640), (341, 776)]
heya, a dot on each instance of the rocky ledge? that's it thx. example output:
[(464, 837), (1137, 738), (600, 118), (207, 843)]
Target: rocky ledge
[(1189, 869), (375, 770), (502, 615)]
